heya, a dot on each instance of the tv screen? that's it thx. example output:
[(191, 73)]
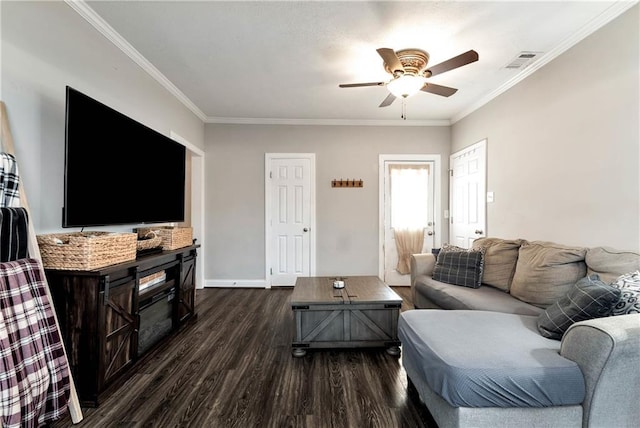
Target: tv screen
[(117, 170)]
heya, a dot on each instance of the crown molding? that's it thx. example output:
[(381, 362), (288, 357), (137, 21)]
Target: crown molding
[(595, 24), (85, 11), (325, 122)]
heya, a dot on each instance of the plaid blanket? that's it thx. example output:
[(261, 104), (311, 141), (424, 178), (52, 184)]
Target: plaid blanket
[(9, 181), (34, 375), (14, 228)]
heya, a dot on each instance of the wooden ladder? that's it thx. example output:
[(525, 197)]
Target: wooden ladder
[(6, 141)]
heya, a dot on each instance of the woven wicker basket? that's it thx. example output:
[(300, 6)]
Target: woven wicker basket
[(149, 241), (86, 250), (172, 237)]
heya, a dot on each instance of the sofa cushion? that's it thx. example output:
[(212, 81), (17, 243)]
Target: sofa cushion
[(500, 258), (589, 298), (459, 266), (609, 263), (489, 359), (448, 296), (546, 271), (629, 286)]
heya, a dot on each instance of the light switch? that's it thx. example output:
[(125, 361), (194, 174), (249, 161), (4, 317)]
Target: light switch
[(489, 197)]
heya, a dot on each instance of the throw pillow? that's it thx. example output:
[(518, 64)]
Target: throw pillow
[(546, 271), (629, 286), (449, 247), (588, 298), (500, 258), (459, 266)]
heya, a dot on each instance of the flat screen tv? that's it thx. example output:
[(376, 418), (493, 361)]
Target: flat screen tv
[(117, 170)]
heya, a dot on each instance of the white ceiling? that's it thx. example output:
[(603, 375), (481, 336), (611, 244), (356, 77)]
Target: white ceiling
[(281, 62)]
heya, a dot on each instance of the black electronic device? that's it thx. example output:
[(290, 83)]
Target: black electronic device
[(117, 170)]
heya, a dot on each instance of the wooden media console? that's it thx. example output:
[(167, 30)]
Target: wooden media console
[(111, 317)]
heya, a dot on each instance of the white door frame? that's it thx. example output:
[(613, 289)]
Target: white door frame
[(437, 200), (268, 157), (197, 202)]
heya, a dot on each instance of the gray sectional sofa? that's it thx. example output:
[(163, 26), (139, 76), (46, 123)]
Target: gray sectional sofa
[(477, 357)]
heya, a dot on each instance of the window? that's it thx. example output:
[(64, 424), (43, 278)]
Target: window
[(409, 185)]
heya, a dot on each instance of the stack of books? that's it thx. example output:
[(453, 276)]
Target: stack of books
[(151, 280)]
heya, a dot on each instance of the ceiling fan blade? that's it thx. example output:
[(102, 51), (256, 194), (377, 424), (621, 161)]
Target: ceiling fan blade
[(391, 59), (387, 101), (445, 91), (450, 64), (357, 85)]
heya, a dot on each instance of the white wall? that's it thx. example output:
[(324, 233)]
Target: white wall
[(46, 46), (347, 219), (564, 147)]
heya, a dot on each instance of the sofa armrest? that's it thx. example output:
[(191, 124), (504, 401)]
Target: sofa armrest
[(607, 350), (422, 264)]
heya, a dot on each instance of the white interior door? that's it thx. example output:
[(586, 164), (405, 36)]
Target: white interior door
[(289, 222), (409, 202), (468, 194)]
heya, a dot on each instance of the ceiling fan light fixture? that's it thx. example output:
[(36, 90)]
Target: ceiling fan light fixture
[(406, 85)]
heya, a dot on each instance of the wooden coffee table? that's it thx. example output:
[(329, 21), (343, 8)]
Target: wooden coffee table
[(363, 314)]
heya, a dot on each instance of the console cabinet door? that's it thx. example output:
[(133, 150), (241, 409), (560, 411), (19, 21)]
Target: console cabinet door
[(187, 300), (76, 298), (120, 324)]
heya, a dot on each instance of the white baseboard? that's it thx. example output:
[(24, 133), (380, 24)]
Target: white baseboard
[(235, 283)]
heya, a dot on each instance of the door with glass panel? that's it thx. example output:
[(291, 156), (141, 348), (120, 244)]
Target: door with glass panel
[(408, 215)]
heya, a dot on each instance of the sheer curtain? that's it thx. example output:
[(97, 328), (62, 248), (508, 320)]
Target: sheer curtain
[(409, 204)]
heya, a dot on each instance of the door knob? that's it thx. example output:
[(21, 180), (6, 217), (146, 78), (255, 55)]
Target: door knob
[(305, 229), (478, 232), (430, 233)]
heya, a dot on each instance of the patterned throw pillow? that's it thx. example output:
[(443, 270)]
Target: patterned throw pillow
[(459, 266), (588, 298), (629, 286)]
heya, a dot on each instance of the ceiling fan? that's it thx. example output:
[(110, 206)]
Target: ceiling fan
[(410, 73)]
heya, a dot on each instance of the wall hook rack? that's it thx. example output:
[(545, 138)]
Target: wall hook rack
[(347, 183)]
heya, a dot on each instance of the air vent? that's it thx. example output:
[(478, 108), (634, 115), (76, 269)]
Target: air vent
[(522, 60)]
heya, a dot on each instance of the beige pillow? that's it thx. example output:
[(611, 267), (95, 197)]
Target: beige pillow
[(546, 271), (609, 264), (500, 258)]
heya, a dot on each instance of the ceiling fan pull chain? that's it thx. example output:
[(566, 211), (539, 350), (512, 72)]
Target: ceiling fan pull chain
[(404, 109)]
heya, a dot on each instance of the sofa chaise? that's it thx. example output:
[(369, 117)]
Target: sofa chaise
[(481, 355)]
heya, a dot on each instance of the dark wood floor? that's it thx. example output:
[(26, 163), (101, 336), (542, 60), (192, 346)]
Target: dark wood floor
[(233, 367)]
